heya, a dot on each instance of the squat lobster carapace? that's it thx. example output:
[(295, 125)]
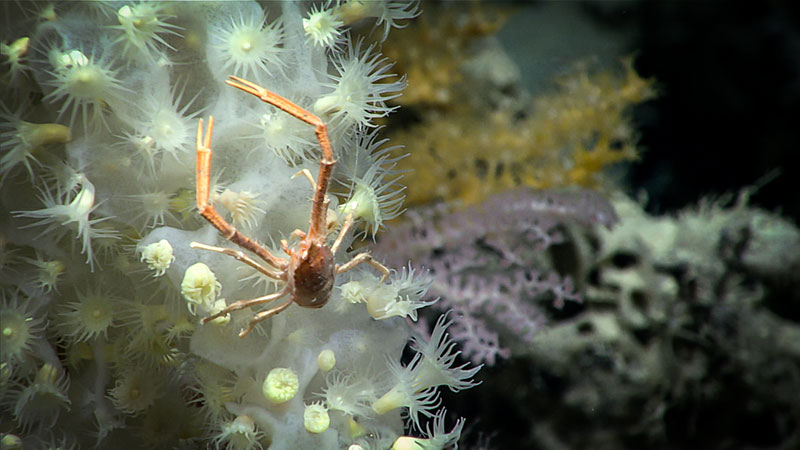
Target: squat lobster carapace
[(310, 270)]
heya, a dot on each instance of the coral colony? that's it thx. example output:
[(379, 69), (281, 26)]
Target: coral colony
[(102, 296), (184, 265)]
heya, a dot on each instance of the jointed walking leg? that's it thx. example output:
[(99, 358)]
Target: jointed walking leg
[(242, 304), (318, 228), (264, 315), (360, 259), (239, 256), (207, 210)]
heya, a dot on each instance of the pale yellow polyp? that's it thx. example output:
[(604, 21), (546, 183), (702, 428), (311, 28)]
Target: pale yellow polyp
[(281, 385)]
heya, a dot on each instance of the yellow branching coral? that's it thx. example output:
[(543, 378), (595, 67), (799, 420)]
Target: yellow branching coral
[(571, 136), (465, 149), (432, 52)]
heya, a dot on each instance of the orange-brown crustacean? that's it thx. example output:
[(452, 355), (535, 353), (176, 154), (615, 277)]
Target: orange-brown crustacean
[(310, 271)]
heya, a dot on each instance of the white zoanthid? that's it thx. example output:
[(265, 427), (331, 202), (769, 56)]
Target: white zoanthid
[(163, 126), (85, 86), (431, 366), (71, 209), (19, 327), (21, 140), (62, 176), (47, 273), (401, 296), (326, 360), (395, 11), (436, 439), (373, 199), (322, 26), (389, 13), (153, 208), (239, 434), (247, 46), (410, 290), (349, 393), (215, 386), (13, 54), (90, 316), (136, 389), (149, 346), (141, 150), (244, 206), (359, 93), (141, 26), (283, 134), (158, 256), (43, 399)]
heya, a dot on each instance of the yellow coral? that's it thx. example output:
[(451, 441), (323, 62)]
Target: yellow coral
[(431, 54), (460, 151), (572, 135)]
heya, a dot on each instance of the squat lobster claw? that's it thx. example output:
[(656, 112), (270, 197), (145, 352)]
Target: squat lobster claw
[(310, 270)]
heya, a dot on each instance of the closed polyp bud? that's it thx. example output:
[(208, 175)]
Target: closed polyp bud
[(158, 257), (10, 442), (281, 385), (326, 360), (316, 418), (200, 286)]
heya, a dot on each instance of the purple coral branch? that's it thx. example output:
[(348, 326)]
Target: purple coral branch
[(485, 266)]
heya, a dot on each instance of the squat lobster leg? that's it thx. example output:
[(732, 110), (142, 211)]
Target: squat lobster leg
[(242, 304), (310, 270), (239, 256), (207, 210), (317, 229), (360, 259)]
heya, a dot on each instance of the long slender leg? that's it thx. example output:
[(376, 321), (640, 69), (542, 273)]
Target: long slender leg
[(318, 229), (207, 210), (348, 222), (239, 256), (264, 315), (362, 258), (242, 304), (307, 174)]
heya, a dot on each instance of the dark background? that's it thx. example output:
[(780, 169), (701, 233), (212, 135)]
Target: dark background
[(729, 109)]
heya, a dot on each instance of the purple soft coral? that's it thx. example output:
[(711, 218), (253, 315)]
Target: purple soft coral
[(488, 262)]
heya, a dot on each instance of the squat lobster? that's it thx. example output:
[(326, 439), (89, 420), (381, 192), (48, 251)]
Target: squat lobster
[(310, 271)]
